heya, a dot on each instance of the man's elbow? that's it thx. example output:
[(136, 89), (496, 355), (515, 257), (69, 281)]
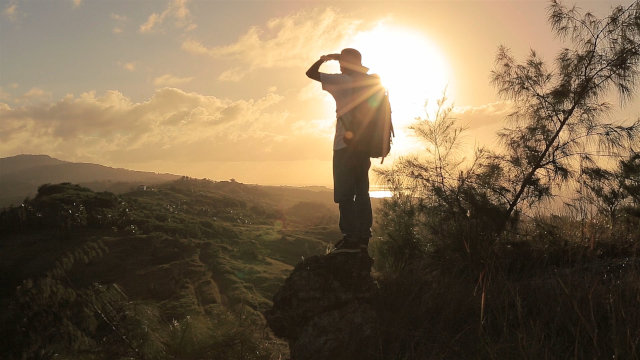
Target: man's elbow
[(313, 75)]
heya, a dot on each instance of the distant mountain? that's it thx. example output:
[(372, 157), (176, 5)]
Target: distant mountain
[(21, 162), (21, 175)]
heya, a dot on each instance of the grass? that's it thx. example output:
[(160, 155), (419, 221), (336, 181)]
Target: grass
[(533, 300), (214, 253)]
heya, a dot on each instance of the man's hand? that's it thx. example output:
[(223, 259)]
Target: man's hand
[(314, 70), (330, 57)]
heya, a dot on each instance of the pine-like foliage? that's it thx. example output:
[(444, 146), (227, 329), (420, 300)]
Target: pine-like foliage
[(442, 201), (559, 109)]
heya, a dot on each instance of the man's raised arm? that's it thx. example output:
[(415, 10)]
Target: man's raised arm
[(314, 70)]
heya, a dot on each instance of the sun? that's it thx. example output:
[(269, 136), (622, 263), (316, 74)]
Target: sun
[(413, 70)]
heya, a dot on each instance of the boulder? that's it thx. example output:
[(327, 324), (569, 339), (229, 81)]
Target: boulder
[(325, 308)]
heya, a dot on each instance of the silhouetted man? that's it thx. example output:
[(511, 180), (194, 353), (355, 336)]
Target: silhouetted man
[(350, 167)]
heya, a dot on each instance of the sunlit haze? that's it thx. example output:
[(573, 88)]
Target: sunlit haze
[(411, 68), (217, 89)]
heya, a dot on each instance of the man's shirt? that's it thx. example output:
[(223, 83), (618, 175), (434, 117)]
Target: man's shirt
[(340, 86), (348, 91)]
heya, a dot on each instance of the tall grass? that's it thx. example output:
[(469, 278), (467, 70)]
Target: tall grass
[(536, 292)]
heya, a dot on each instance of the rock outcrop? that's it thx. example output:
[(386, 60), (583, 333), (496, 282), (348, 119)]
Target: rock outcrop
[(325, 308)]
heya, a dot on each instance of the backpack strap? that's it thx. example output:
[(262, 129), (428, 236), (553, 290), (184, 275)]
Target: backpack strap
[(344, 124)]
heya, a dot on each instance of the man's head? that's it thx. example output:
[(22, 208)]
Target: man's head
[(351, 61)]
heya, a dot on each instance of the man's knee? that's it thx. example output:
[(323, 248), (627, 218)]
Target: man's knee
[(343, 198)]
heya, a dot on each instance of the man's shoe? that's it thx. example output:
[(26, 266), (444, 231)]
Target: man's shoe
[(346, 245)]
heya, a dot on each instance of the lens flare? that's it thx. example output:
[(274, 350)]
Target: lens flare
[(411, 67)]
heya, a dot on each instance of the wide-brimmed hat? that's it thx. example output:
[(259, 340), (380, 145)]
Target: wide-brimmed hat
[(352, 59)]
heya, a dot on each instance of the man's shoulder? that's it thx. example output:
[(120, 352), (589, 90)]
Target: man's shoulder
[(373, 78), (333, 78)]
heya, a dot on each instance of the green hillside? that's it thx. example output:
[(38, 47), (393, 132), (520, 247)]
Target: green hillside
[(182, 270)]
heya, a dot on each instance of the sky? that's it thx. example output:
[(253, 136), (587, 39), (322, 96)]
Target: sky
[(216, 89)]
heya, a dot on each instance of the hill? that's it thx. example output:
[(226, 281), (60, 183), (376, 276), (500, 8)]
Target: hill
[(187, 267), (21, 175)]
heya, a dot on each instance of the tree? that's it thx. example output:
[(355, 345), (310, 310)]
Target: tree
[(605, 190), (614, 194), (443, 203), (558, 111), (630, 170)]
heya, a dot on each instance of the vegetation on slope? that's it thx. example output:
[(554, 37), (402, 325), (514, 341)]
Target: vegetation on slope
[(183, 270)]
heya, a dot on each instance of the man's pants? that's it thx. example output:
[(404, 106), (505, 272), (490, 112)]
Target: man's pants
[(351, 192)]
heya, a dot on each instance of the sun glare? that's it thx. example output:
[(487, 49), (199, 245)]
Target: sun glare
[(411, 68)]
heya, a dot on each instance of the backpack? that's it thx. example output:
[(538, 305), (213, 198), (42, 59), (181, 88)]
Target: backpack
[(368, 124)]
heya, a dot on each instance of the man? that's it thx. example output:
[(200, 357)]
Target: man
[(350, 166)]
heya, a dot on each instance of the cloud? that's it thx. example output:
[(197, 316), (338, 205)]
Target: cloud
[(35, 94), (151, 22), (312, 91), (282, 42), (11, 11), (4, 96), (487, 115), (196, 48), (482, 122), (77, 3), (119, 20), (118, 17), (177, 11), (235, 74), (7, 95), (170, 80), (172, 125), (129, 66)]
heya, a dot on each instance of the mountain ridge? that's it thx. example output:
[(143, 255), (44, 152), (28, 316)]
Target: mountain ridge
[(20, 176), (16, 163)]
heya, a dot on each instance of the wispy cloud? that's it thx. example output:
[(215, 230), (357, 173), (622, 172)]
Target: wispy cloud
[(150, 23), (487, 115), (4, 96), (36, 94), (483, 123), (118, 17), (170, 80), (11, 11), (119, 23), (196, 48), (177, 11), (282, 42), (129, 66)]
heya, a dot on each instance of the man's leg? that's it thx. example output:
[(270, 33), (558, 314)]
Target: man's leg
[(363, 213), (344, 191)]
